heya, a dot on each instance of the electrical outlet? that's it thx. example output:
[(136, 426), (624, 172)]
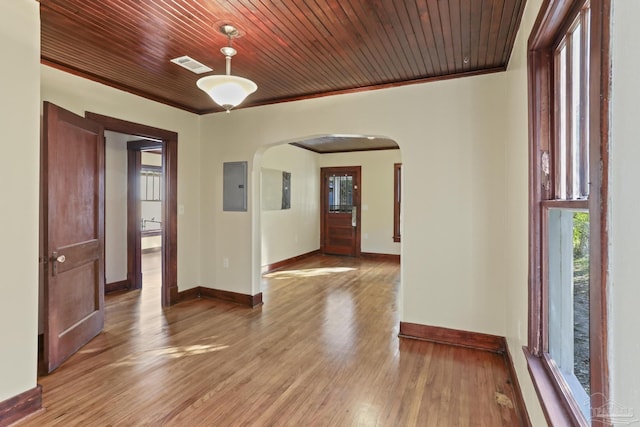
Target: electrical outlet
[(225, 262)]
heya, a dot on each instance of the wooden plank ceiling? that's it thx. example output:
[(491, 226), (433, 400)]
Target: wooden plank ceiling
[(293, 49), (345, 143)]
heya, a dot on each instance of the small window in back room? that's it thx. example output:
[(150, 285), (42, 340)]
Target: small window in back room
[(151, 198), (397, 187)]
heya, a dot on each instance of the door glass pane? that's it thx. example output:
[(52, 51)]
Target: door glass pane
[(340, 194), (568, 275)]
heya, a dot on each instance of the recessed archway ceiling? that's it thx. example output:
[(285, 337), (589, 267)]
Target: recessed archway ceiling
[(345, 143), (293, 49)]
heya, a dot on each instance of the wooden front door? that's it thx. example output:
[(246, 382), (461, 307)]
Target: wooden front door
[(340, 215), (72, 159)]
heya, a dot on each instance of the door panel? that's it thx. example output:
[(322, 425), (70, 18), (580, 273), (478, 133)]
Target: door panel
[(72, 291), (340, 217), (73, 233)]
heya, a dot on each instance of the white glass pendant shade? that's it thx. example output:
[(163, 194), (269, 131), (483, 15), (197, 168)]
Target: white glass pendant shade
[(227, 91)]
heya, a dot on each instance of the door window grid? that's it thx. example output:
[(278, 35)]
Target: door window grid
[(340, 194)]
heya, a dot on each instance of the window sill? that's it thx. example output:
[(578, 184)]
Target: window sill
[(554, 403)]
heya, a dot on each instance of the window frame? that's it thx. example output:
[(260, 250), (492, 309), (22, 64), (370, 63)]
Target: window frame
[(155, 171), (554, 20), (397, 194)]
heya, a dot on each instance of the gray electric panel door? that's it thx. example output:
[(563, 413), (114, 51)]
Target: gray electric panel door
[(235, 186)]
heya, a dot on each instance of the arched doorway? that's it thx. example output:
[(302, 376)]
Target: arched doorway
[(287, 234)]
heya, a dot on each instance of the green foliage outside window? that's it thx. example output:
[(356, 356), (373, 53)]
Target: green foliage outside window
[(580, 234)]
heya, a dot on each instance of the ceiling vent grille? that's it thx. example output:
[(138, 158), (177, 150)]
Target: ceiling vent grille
[(191, 64)]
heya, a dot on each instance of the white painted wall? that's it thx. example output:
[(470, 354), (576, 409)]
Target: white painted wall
[(624, 290), (291, 232), (151, 242), (151, 159), (79, 95), (115, 208), (515, 203), (19, 171), (376, 196), (452, 142), (464, 151)]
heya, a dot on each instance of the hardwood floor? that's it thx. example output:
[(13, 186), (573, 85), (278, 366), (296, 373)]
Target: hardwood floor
[(151, 263), (323, 350)]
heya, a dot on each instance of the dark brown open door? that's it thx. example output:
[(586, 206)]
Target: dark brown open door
[(73, 233), (340, 216)]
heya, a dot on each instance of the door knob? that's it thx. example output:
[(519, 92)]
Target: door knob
[(55, 259)]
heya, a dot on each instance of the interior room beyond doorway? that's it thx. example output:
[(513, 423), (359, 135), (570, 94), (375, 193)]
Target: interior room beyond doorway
[(134, 188)]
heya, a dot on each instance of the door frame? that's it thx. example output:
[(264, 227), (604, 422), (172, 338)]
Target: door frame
[(134, 232), (340, 170), (170, 198)]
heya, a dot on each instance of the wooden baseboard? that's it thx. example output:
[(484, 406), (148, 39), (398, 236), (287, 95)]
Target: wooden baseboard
[(381, 257), (521, 407), (242, 299), (20, 406), (457, 337), (189, 294), (122, 285), (217, 294), (475, 340), (285, 262)]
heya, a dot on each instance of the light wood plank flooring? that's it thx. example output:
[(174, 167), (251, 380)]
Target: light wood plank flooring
[(323, 350)]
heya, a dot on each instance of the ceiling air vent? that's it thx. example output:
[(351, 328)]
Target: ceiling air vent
[(191, 64)]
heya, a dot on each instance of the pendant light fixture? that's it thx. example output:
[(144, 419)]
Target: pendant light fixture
[(226, 90)]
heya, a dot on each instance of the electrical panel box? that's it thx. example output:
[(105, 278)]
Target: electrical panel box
[(234, 186)]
